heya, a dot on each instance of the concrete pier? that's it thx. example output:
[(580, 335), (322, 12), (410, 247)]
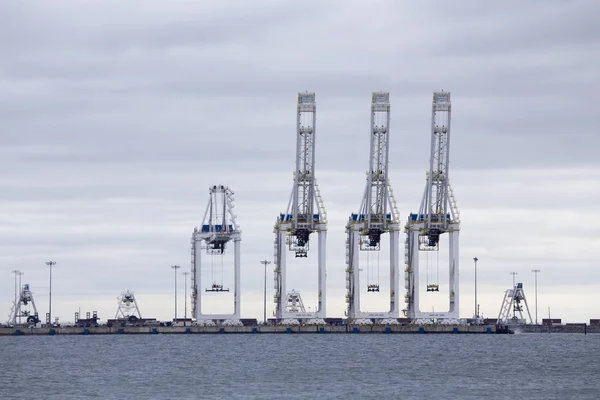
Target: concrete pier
[(348, 329)]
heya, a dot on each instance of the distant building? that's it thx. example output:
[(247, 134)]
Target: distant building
[(182, 322), (132, 320), (551, 321), (88, 320), (335, 321)]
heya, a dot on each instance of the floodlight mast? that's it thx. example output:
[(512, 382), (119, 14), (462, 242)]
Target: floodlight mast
[(378, 215), (438, 214), (219, 226), (301, 219)]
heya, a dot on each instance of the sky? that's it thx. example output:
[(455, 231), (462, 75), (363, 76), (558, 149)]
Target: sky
[(115, 118)]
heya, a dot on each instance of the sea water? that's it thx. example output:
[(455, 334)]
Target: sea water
[(301, 366)]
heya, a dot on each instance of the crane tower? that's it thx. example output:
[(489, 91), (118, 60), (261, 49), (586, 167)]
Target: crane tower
[(305, 214), (378, 215), (219, 227), (438, 214)]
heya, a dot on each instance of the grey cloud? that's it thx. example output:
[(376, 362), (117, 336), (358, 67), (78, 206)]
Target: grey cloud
[(518, 28), (115, 120)]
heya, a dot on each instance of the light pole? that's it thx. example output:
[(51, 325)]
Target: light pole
[(20, 290), (476, 313), (513, 274), (535, 272), (16, 272), (514, 285), (50, 264), (175, 268), (185, 274), (265, 262)]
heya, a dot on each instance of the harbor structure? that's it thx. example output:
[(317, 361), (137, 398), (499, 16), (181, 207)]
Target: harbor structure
[(24, 307), (219, 228), (511, 310), (378, 215), (305, 214), (438, 215)]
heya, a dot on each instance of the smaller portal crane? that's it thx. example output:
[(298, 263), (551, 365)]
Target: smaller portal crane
[(219, 227), (294, 303), (25, 307), (512, 305), (127, 307)]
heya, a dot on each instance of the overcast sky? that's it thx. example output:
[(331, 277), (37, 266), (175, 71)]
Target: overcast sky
[(115, 118)]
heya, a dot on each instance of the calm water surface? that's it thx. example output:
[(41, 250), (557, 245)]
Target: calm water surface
[(526, 366)]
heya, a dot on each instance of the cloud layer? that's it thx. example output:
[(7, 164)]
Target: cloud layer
[(116, 119)]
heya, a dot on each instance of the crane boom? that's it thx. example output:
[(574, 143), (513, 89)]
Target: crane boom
[(374, 206), (434, 206), (304, 180)]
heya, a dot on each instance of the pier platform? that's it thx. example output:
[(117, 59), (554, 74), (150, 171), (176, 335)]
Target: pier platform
[(347, 329)]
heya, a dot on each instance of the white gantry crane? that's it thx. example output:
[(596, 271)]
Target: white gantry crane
[(378, 215), (294, 303), (25, 308), (127, 307), (219, 226), (511, 311), (438, 214), (305, 214)]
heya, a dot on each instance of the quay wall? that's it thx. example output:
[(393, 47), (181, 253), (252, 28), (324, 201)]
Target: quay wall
[(349, 329), (574, 328)]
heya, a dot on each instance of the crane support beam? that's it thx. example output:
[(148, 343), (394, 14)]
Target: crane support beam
[(438, 214), (305, 214), (219, 227), (378, 215)]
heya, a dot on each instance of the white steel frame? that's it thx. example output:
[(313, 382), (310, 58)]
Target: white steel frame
[(219, 227), (127, 306), (25, 297), (378, 215), (438, 214), (292, 229), (511, 304), (294, 303)]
